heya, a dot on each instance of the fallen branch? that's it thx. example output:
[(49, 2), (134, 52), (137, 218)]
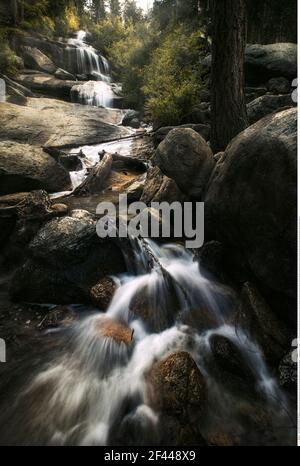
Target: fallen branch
[(95, 181), (124, 161)]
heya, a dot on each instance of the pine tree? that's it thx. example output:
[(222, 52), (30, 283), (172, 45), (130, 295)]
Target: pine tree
[(99, 9), (115, 8)]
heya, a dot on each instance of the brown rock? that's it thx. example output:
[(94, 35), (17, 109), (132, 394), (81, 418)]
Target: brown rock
[(60, 210), (177, 386), (110, 328), (102, 293)]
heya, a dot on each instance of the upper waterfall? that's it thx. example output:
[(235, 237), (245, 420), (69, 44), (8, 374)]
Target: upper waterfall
[(95, 66)]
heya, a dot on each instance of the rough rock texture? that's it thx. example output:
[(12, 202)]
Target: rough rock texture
[(263, 62), (251, 201), (161, 133), (110, 328), (185, 157), (279, 85), (136, 189), (160, 188), (273, 60), (260, 323), (46, 84), (288, 372), (177, 384), (266, 104), (177, 389), (66, 259), (102, 293), (64, 75), (37, 60), (129, 117), (27, 211), (53, 123), (24, 168)]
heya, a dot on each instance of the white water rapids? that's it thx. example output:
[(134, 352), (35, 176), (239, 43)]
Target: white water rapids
[(80, 397)]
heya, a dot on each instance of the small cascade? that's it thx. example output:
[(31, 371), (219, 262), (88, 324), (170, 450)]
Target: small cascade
[(90, 64), (99, 386)]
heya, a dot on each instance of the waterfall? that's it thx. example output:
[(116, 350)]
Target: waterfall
[(99, 384), (91, 64)]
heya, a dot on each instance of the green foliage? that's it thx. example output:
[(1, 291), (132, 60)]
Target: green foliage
[(172, 80), (9, 61), (129, 56), (108, 32)]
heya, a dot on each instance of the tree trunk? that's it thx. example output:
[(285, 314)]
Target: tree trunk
[(229, 113), (13, 6), (95, 181)]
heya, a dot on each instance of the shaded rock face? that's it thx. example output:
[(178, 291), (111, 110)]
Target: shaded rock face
[(28, 211), (25, 168), (288, 372), (185, 157), (258, 320), (43, 122), (136, 189), (279, 85), (46, 84), (131, 118), (230, 366), (222, 262), (160, 188), (64, 75), (37, 60), (66, 259), (266, 104), (263, 62), (251, 201), (177, 389), (161, 133), (157, 313)]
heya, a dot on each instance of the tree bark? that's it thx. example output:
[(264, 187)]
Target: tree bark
[(229, 113), (13, 9), (95, 181)]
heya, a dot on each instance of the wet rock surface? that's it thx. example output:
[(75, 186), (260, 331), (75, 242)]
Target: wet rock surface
[(252, 193)]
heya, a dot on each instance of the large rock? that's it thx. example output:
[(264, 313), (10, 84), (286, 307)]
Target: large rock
[(160, 188), (131, 118), (177, 389), (279, 86), (263, 62), (251, 202), (260, 323), (37, 60), (266, 104), (46, 84), (185, 157), (64, 75), (28, 211), (66, 259), (161, 133), (24, 168), (56, 124)]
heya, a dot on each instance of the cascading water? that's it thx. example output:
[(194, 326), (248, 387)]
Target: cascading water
[(98, 388), (90, 64)]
